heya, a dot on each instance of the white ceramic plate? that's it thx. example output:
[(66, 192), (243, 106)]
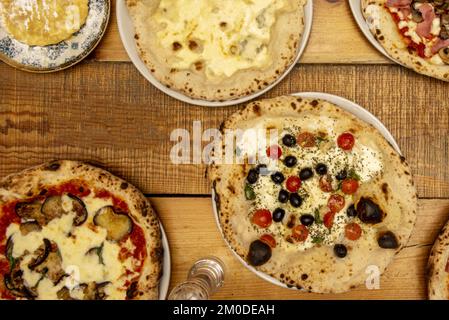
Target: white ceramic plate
[(356, 8), (346, 105), (166, 267), (126, 30)]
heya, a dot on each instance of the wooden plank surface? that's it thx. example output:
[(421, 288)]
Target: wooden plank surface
[(193, 234), (335, 38), (109, 114)]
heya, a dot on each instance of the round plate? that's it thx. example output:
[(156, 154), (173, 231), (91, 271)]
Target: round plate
[(126, 29), (166, 267), (344, 104), (62, 55), (356, 8)]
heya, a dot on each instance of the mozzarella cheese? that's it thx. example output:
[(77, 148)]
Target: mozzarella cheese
[(225, 36), (73, 245)]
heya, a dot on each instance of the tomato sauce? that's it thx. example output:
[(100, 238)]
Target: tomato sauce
[(419, 48), (116, 202)]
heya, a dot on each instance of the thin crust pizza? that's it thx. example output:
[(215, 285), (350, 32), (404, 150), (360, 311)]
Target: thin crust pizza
[(319, 207), (415, 33), (72, 231), (217, 50), (438, 267)]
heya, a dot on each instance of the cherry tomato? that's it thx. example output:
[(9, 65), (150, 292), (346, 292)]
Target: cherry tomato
[(353, 231), (336, 202), (346, 141), (300, 233), (293, 183), (306, 140), (326, 183), (268, 239), (328, 219), (274, 152), (262, 218), (349, 186)]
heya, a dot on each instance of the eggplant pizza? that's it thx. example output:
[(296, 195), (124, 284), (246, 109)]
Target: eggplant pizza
[(317, 206), (413, 32), (69, 230)]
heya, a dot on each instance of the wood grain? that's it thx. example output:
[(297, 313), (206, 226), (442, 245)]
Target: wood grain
[(107, 113), (193, 234), (335, 38)]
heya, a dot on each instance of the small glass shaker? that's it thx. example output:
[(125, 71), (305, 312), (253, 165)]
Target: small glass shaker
[(204, 278)]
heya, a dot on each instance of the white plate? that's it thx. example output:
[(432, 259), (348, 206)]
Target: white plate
[(166, 267), (126, 30), (356, 8), (344, 104)]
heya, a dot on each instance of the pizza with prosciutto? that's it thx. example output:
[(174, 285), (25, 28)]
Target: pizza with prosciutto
[(317, 205), (69, 230), (438, 267), (415, 33)]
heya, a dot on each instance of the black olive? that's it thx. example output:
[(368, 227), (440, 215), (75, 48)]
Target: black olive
[(387, 240), (259, 253), (295, 200), (368, 211), (253, 175), (278, 214), (342, 175), (289, 140), (290, 161), (351, 212), (277, 177), (340, 250), (321, 169), (305, 174), (283, 196), (307, 219)]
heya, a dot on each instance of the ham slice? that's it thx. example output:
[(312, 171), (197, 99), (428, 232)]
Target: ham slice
[(440, 44), (423, 29), (399, 3)]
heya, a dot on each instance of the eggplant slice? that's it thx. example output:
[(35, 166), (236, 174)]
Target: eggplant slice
[(16, 285), (52, 208), (29, 226), (118, 225), (31, 211), (95, 291), (80, 210), (64, 294), (51, 266), (42, 254)]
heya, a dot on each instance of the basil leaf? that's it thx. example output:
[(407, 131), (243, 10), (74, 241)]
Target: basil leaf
[(249, 192)]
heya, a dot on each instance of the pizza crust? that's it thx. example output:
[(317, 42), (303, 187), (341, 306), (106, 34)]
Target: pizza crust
[(385, 30), (30, 182), (438, 278), (317, 269), (286, 35)]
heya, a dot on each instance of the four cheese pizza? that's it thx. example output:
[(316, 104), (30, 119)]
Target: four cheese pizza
[(69, 230), (415, 33), (438, 267), (319, 205), (217, 50), (43, 22)]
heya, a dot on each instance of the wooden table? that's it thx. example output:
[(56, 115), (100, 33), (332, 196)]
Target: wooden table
[(104, 111)]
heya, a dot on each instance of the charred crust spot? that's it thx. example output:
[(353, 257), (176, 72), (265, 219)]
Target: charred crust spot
[(385, 189), (402, 159), (176, 46), (193, 45), (198, 66), (304, 276), (124, 185), (256, 109), (136, 36), (314, 103), (53, 166), (231, 189), (156, 254)]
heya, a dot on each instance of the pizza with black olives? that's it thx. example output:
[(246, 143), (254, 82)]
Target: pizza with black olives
[(438, 267), (72, 231), (415, 33), (319, 203)]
